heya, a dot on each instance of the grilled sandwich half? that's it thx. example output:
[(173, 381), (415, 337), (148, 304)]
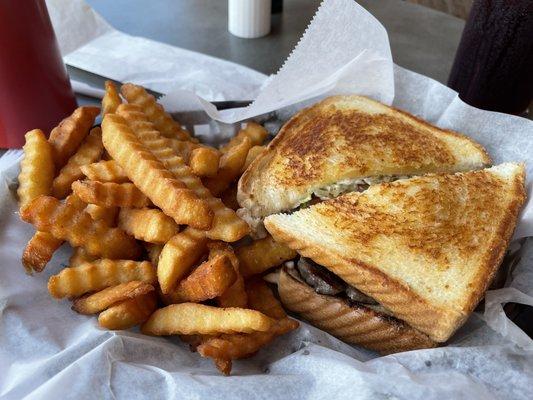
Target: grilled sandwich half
[(422, 251), (346, 143)]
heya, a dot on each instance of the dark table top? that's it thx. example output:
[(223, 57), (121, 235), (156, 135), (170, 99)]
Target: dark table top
[(422, 39)]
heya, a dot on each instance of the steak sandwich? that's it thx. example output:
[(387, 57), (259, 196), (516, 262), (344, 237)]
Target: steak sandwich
[(417, 254), (399, 225), (344, 144)]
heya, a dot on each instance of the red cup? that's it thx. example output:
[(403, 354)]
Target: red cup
[(35, 90)]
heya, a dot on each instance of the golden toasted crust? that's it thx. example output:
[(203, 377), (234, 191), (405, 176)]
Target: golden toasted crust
[(349, 137), (425, 248), (355, 324)]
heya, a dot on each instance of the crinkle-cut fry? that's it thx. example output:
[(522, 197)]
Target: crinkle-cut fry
[(261, 298), (105, 298), (178, 256), (229, 197), (223, 366), (154, 251), (235, 295), (204, 161), (146, 224), (39, 251), (183, 148), (164, 123), (192, 318), (42, 245), (253, 131), (68, 135), (75, 202), (129, 313), (97, 275), (261, 255), (105, 214), (105, 171), (226, 226), (111, 99), (80, 256), (109, 194), (76, 226), (36, 168), (254, 152), (151, 176), (209, 280), (235, 346), (89, 151), (231, 164)]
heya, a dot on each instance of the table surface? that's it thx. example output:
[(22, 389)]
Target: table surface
[(422, 39)]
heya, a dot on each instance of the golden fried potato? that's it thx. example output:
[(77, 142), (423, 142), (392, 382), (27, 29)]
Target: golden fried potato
[(253, 131), (235, 295), (90, 150), (235, 346), (192, 318), (105, 171), (261, 298), (182, 148), (223, 366), (109, 194), (68, 135), (111, 99), (79, 256), (36, 169), (146, 224), (254, 152), (151, 176), (66, 222), (105, 214), (99, 301), (230, 167), (178, 256), (262, 255), (97, 275), (209, 280), (164, 123), (39, 251), (129, 313), (41, 247), (226, 224), (204, 161)]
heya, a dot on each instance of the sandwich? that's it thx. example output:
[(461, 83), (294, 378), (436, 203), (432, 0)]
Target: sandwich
[(402, 264), (345, 144)]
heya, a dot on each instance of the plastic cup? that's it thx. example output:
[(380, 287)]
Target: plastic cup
[(35, 90)]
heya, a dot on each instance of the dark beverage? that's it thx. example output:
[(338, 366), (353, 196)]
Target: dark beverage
[(493, 67), (35, 90)]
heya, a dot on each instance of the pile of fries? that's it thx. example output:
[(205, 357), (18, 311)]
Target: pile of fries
[(150, 214)]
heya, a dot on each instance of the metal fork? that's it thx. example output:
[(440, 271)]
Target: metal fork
[(189, 119)]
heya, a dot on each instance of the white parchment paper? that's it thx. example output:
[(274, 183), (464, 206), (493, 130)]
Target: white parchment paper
[(88, 42), (48, 351)]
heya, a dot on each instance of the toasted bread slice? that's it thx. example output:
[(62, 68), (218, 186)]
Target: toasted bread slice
[(348, 138), (425, 248), (353, 323)]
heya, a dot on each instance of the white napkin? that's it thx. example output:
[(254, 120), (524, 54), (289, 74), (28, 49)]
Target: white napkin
[(88, 42)]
